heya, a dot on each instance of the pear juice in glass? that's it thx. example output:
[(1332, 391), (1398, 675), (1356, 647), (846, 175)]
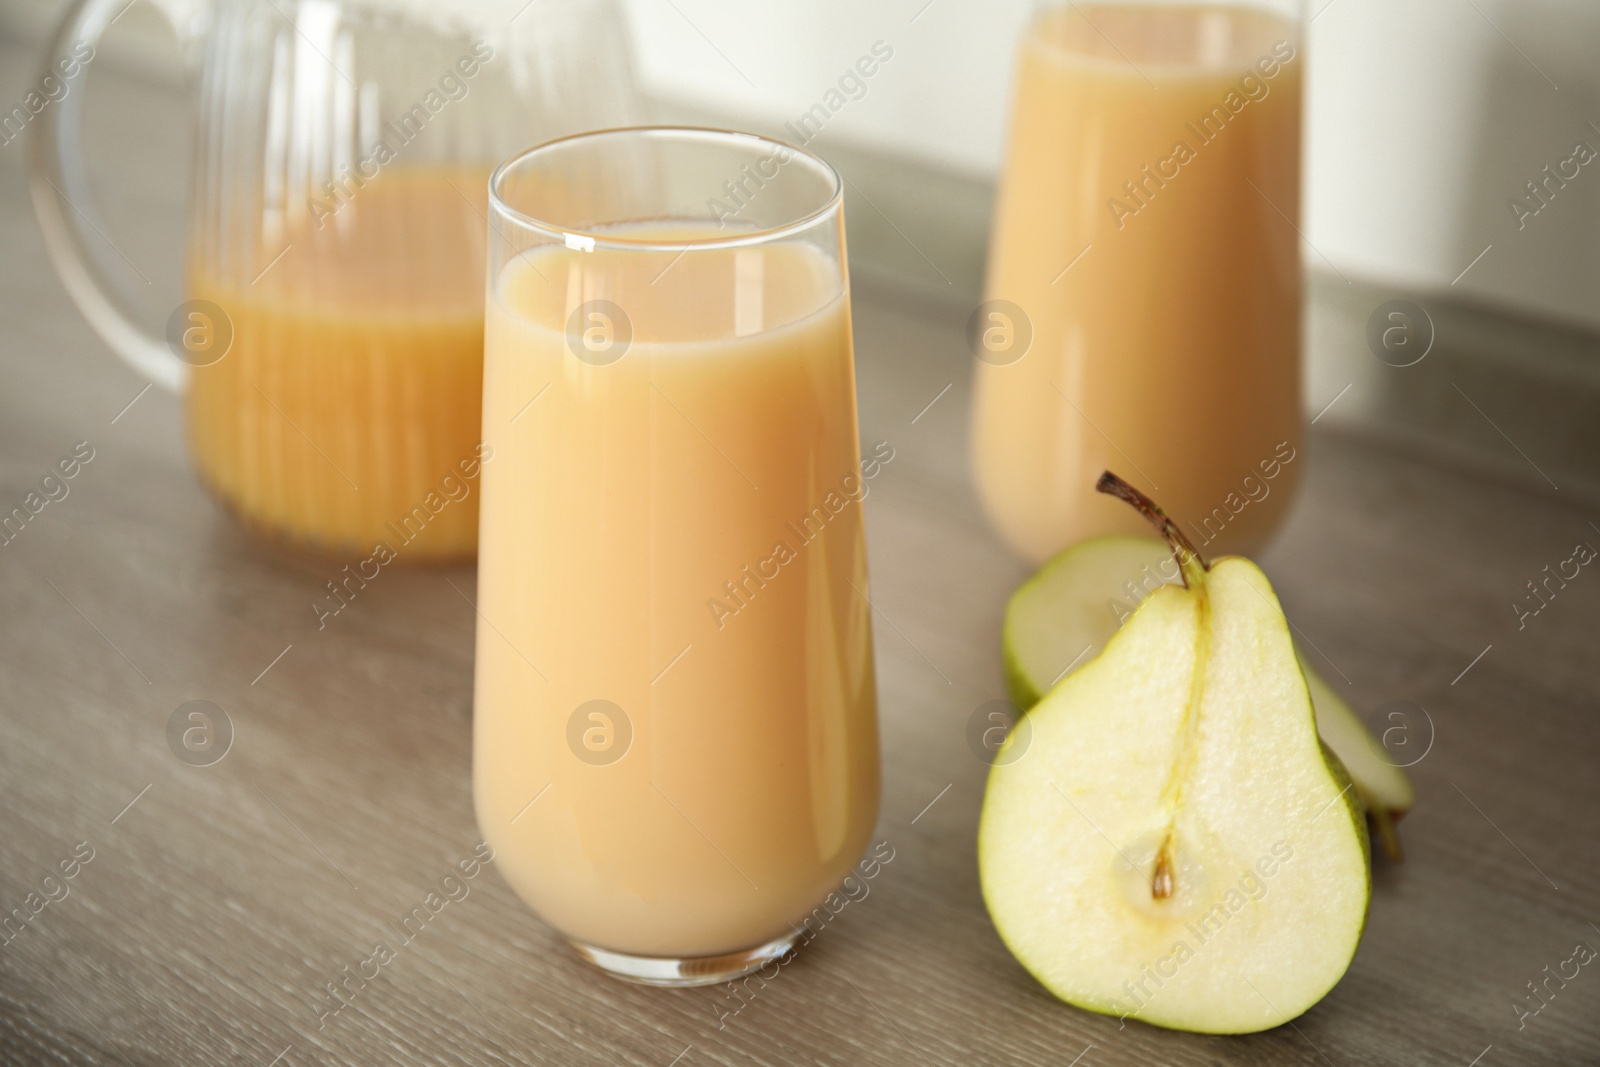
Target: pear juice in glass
[(675, 753)]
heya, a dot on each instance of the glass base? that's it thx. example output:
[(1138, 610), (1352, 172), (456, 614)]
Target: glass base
[(693, 971)]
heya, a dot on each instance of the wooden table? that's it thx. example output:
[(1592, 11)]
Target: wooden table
[(220, 899)]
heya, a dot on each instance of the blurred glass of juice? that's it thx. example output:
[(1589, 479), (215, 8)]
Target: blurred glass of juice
[(1143, 296)]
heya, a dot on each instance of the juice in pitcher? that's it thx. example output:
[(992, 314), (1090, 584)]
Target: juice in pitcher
[(342, 412)]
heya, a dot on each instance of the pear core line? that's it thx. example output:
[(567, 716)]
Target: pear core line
[(1163, 879)]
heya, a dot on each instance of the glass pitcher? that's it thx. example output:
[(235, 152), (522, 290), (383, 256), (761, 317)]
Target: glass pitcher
[(330, 346), (1143, 301)]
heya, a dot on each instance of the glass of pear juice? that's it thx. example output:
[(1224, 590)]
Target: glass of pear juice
[(675, 735), (1142, 306)]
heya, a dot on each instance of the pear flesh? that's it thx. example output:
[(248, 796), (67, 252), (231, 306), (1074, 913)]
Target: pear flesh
[(1064, 615), (1176, 845)]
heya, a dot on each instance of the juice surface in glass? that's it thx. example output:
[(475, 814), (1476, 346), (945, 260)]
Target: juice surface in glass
[(343, 412), (675, 533), (1145, 237)]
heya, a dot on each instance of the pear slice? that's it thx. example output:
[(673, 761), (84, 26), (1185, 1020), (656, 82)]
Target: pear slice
[(1064, 615), (1176, 845)]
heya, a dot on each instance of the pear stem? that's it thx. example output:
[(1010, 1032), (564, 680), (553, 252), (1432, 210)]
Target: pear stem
[(1190, 562), (1383, 822)]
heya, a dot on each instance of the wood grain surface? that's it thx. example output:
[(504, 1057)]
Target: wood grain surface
[(220, 900)]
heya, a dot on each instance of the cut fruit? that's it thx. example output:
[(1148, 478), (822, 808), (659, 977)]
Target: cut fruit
[(1063, 616), (1176, 845), (1384, 787)]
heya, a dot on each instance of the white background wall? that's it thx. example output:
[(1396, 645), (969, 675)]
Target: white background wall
[(1424, 117)]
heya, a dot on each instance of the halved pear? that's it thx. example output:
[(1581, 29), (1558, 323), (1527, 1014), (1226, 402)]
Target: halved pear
[(1176, 845), (1064, 615)]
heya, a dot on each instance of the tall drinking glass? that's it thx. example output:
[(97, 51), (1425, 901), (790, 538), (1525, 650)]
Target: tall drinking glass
[(675, 750), (1143, 303)]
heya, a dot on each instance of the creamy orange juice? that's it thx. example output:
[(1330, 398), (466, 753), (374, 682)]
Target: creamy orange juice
[(352, 386), (1146, 229), (675, 749)]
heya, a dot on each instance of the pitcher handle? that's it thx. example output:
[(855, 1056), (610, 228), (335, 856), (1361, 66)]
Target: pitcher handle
[(63, 202)]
